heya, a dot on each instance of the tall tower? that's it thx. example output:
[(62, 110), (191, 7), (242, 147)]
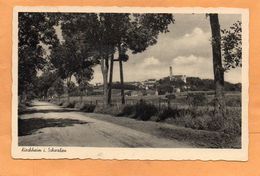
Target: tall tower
[(170, 73)]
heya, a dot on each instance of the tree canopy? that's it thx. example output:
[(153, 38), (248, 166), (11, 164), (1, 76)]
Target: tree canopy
[(92, 38), (35, 30), (231, 43)]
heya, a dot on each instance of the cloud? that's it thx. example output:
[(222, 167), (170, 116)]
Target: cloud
[(150, 61), (193, 65), (187, 60), (196, 42), (196, 39)]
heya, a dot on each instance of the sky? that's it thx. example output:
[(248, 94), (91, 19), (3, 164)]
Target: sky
[(186, 47)]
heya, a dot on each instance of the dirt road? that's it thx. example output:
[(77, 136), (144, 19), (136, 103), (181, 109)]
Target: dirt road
[(46, 124)]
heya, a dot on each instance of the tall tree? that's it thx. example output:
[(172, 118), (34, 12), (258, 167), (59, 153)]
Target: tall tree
[(115, 26), (62, 58), (84, 61), (75, 29), (108, 32), (35, 29), (58, 87), (45, 82), (136, 32), (217, 66), (75, 57)]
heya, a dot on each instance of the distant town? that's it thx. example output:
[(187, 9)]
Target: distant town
[(166, 85)]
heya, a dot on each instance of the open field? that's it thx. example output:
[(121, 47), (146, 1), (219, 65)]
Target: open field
[(156, 99)]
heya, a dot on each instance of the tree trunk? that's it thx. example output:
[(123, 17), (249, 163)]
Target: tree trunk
[(122, 81), (81, 96), (110, 79), (217, 66), (68, 91), (104, 69), (121, 76), (68, 97)]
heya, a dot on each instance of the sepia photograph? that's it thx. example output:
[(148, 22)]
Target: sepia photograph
[(130, 83)]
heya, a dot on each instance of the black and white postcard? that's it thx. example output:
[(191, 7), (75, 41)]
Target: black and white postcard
[(130, 83)]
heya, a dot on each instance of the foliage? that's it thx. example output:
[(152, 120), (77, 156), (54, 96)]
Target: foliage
[(69, 104), (45, 82), (105, 33), (170, 96), (71, 87), (145, 111), (141, 110), (168, 113), (58, 86), (86, 107), (145, 29), (203, 119), (198, 99), (231, 44), (165, 88), (234, 101), (127, 110), (233, 125), (126, 86), (198, 84), (35, 30)]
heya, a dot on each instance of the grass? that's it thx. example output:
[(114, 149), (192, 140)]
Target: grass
[(192, 113), (85, 107), (202, 138), (70, 104), (22, 107), (196, 138), (203, 119)]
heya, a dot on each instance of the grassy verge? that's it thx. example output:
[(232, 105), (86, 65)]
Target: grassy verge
[(195, 138), (194, 124), (22, 107)]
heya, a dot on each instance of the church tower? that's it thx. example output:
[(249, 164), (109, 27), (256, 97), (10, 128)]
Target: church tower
[(170, 73)]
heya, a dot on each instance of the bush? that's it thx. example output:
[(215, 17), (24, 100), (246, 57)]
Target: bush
[(232, 124), (168, 113), (145, 111), (69, 104), (198, 99), (204, 119), (21, 108), (232, 127), (231, 101), (204, 122), (127, 110), (87, 107), (60, 103), (141, 110), (28, 104), (171, 96), (234, 101), (112, 110)]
